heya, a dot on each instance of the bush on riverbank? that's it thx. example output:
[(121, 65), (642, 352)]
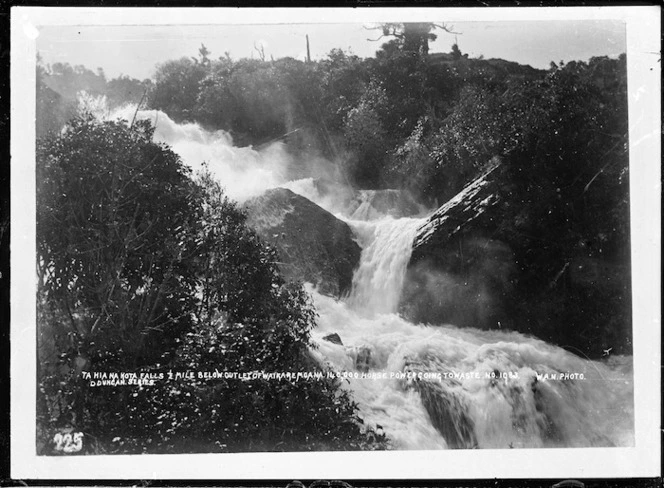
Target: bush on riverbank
[(144, 269)]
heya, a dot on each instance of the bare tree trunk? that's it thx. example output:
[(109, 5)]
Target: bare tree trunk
[(308, 53)]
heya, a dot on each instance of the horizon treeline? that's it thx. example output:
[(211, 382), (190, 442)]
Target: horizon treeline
[(404, 118)]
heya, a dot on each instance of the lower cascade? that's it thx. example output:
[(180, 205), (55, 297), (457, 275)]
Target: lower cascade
[(442, 387)]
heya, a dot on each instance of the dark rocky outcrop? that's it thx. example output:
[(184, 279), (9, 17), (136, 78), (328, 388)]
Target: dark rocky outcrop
[(333, 338), (448, 414), (363, 361), (477, 262), (459, 273), (313, 245)]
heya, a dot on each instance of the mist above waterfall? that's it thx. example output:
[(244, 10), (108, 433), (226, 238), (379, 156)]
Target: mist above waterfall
[(243, 172)]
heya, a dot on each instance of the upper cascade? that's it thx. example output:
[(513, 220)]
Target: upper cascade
[(386, 248)]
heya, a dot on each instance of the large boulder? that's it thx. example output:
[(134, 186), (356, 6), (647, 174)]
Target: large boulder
[(458, 272), (477, 262), (313, 245), (467, 209)]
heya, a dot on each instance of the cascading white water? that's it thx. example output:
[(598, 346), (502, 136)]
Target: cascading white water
[(443, 387), (429, 387), (242, 171), (386, 248), (475, 408)]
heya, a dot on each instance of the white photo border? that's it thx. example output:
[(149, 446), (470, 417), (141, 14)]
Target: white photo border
[(643, 460)]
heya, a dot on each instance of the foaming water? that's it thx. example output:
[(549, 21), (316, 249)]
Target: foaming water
[(426, 387), (386, 248), (306, 187), (476, 389), (242, 171), (443, 387)]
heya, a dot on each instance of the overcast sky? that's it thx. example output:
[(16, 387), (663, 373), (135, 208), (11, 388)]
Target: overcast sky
[(135, 50)]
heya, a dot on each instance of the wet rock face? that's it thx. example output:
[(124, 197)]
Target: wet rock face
[(475, 264), (313, 245), (363, 360), (471, 207), (458, 273), (471, 286), (448, 414)]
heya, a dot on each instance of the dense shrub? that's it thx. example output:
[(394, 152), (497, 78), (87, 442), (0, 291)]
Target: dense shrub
[(176, 86), (142, 268)]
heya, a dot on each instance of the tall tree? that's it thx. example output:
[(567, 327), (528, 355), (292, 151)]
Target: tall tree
[(204, 55), (176, 86), (412, 37)]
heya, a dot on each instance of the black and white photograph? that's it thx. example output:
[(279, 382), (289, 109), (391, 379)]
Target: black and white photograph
[(406, 234)]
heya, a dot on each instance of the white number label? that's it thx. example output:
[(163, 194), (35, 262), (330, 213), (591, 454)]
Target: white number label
[(68, 443)]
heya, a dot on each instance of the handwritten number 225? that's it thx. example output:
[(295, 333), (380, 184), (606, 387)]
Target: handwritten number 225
[(68, 443)]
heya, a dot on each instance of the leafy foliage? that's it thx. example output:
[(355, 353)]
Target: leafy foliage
[(344, 80), (412, 37), (564, 193), (143, 268), (114, 213), (366, 137), (176, 87), (344, 107), (60, 85), (126, 90)]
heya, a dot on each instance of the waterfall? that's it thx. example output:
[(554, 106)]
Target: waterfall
[(243, 171), (426, 387), (386, 248), (441, 387)]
